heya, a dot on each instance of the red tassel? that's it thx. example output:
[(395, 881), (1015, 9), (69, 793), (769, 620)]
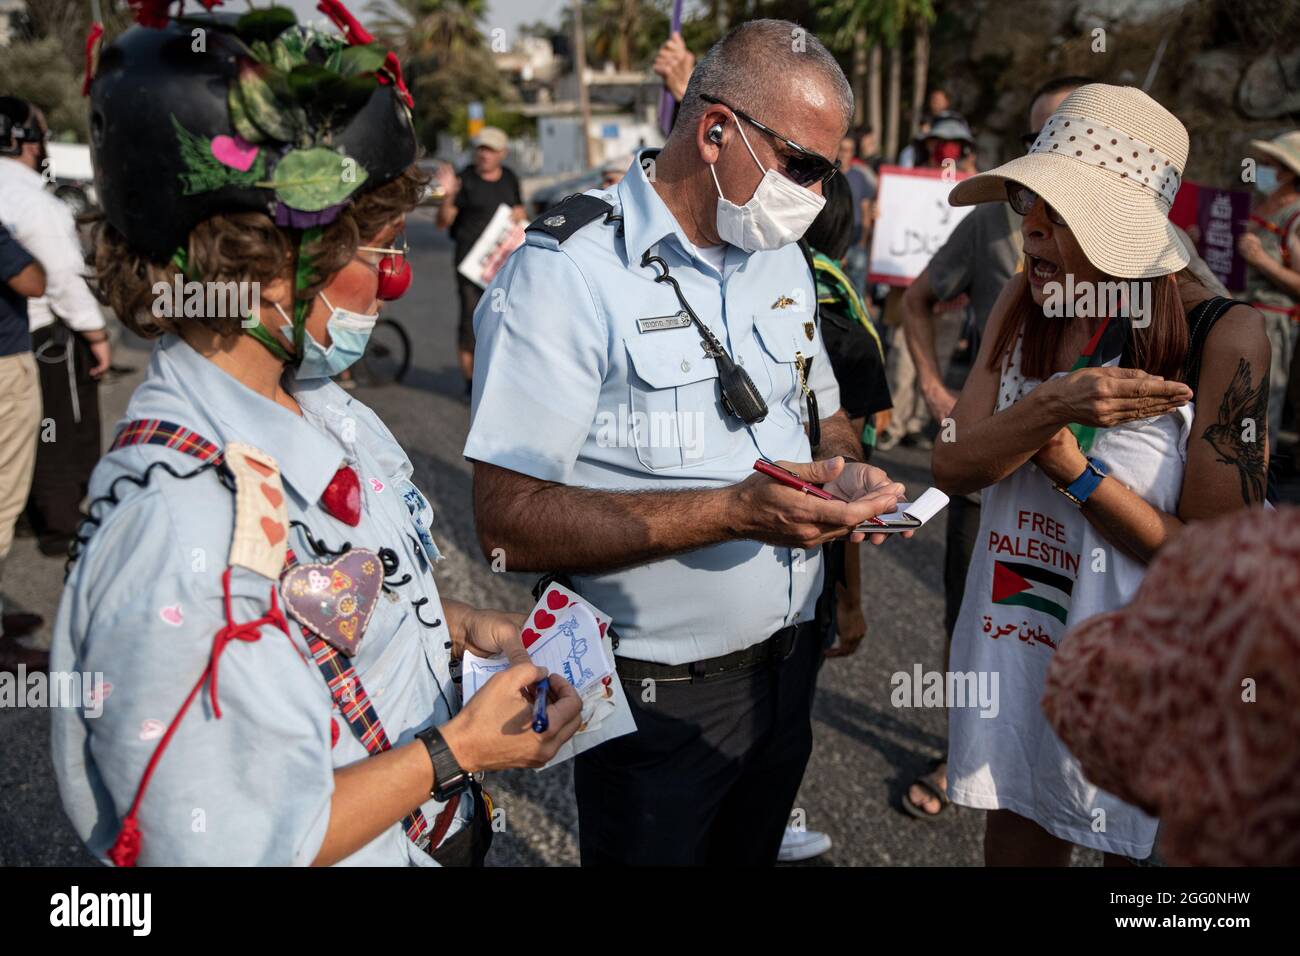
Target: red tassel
[(353, 31), (92, 55), (126, 848), (393, 68)]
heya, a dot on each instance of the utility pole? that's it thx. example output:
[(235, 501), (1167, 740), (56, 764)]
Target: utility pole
[(580, 72)]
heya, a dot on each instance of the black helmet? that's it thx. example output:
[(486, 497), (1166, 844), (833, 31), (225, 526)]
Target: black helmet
[(224, 113)]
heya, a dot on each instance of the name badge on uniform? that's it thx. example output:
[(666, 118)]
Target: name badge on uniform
[(657, 324)]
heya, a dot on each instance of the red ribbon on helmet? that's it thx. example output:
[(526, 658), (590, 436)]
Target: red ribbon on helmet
[(353, 31), (391, 72), (92, 55)]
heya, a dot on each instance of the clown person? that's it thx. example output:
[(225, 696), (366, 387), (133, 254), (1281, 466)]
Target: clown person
[(253, 522)]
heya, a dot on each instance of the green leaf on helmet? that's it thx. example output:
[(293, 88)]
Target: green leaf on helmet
[(360, 59), (261, 107), (265, 25), (239, 119), (313, 179)]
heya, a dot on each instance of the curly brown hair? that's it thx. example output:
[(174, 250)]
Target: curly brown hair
[(239, 247)]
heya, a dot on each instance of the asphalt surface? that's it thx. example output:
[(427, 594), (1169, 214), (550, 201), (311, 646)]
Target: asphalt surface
[(866, 751)]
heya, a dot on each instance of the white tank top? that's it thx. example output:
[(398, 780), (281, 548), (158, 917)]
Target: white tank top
[(1037, 568)]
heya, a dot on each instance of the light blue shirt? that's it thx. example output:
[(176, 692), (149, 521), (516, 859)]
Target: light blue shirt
[(145, 598), (571, 385)]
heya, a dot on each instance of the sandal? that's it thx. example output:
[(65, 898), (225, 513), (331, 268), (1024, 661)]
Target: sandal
[(925, 783)]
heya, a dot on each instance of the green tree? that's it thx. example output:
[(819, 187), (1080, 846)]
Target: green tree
[(444, 55)]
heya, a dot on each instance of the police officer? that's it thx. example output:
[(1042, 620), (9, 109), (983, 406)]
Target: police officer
[(635, 357), (253, 521)]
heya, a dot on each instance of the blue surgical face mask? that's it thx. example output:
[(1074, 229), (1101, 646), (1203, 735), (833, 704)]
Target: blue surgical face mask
[(1265, 179), (349, 334)]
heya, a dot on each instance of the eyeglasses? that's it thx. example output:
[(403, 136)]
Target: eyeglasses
[(1022, 200), (802, 166)]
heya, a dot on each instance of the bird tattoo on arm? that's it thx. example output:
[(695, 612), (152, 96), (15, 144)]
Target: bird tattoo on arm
[(1243, 411)]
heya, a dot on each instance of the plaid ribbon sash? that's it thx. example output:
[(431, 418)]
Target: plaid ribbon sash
[(340, 676)]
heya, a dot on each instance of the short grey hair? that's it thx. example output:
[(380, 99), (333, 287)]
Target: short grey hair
[(752, 65)]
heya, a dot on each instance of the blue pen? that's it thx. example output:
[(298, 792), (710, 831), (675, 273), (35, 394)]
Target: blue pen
[(540, 723)]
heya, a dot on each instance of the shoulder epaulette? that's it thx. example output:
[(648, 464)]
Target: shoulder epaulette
[(569, 215)]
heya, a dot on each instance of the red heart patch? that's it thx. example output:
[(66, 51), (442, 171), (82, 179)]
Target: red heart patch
[(257, 466), (603, 625), (273, 530), (342, 497), (556, 600), (543, 619), (529, 636), (272, 495)]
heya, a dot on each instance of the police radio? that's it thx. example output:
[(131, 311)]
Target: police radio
[(740, 398)]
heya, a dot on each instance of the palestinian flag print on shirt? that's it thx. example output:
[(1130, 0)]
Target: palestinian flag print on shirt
[(1031, 586)]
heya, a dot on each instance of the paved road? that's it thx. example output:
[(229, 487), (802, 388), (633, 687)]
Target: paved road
[(865, 752)]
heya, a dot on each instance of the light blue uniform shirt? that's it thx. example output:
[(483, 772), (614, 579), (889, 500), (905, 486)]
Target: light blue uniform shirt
[(253, 787), (569, 387)]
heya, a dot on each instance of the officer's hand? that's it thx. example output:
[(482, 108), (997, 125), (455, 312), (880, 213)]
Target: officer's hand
[(766, 510), (494, 730)]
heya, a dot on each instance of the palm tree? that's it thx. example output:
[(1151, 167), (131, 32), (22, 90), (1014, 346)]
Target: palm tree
[(422, 28)]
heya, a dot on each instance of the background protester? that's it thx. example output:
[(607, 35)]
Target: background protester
[(1187, 704), (949, 141), (21, 278), (69, 338), (978, 259), (1079, 428), (862, 186), (472, 198), (1271, 248), (858, 360), (712, 572)]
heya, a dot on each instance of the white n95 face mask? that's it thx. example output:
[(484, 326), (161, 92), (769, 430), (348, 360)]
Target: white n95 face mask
[(778, 213), (349, 334)]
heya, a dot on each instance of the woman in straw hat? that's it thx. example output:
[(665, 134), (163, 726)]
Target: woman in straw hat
[(1271, 248), (1079, 420)]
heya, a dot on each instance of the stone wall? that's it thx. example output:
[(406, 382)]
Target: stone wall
[(1230, 69)]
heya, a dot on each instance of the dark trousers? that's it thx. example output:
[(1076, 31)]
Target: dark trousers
[(469, 293), (68, 442), (709, 776), (963, 529)]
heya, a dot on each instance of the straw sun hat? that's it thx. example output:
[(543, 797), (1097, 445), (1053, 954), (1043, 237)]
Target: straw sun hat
[(1285, 149), (1109, 160)]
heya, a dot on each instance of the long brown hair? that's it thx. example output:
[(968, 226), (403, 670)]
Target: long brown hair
[(1159, 348)]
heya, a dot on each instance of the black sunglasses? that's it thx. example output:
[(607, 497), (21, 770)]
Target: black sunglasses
[(802, 166), (1022, 200)]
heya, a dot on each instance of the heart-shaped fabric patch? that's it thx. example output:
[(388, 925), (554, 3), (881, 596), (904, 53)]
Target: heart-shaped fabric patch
[(334, 601), (234, 151)]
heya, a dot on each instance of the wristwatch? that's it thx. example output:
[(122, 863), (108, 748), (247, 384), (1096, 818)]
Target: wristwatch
[(1082, 487), (448, 777)]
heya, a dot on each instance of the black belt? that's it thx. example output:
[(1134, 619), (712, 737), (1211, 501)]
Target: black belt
[(773, 650)]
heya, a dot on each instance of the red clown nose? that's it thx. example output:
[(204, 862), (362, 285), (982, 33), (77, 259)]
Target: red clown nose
[(394, 277)]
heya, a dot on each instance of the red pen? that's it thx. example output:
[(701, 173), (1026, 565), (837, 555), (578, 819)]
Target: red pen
[(790, 479)]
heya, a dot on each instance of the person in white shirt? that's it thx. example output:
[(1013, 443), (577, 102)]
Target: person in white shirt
[(69, 338)]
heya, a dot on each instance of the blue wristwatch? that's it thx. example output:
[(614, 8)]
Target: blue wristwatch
[(1082, 487)]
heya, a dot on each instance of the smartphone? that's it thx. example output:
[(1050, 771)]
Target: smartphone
[(907, 515)]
